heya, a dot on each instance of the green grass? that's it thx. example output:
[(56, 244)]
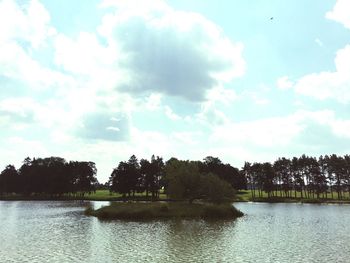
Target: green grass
[(246, 195), (242, 196), (99, 195), (105, 195), (165, 210)]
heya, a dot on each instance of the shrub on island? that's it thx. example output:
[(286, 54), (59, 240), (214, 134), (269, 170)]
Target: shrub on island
[(162, 210)]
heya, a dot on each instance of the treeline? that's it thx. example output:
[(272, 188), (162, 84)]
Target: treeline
[(304, 177), (207, 179), (51, 176), (298, 177)]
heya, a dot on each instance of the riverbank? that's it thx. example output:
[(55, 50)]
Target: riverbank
[(105, 195), (165, 210), (99, 195), (245, 196)]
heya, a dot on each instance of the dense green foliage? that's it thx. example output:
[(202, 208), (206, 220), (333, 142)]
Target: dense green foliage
[(49, 176), (327, 177), (303, 177), (157, 210), (183, 180), (134, 177)]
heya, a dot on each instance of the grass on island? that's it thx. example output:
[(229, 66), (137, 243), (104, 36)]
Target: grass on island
[(105, 195), (241, 196), (246, 196), (164, 210), (99, 195)]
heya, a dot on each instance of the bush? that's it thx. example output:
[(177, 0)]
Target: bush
[(186, 182), (216, 190), (146, 211)]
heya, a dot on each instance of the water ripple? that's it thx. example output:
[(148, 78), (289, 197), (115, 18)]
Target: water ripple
[(60, 232)]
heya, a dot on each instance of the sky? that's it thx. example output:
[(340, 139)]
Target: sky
[(101, 80)]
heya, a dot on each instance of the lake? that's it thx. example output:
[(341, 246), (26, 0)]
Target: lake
[(58, 231)]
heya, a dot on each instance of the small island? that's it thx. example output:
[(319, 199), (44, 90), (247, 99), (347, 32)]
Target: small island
[(191, 194), (165, 210)]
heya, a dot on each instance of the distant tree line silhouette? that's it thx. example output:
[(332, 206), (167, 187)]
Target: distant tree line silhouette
[(298, 177), (180, 179), (304, 177), (51, 176)]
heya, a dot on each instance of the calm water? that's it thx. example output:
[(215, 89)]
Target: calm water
[(59, 232)]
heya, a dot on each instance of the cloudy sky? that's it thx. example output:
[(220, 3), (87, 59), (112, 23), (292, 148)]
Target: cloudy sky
[(240, 80)]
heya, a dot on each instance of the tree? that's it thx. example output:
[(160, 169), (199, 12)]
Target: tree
[(225, 172), (248, 173), (335, 173), (133, 172), (84, 177), (323, 172), (157, 182), (268, 175), (183, 179), (152, 175), (257, 177), (298, 179), (319, 182), (51, 176), (282, 169), (146, 175), (213, 189), (347, 172), (119, 180), (186, 182), (8, 180)]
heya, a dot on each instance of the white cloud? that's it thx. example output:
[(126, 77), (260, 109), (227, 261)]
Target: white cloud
[(221, 95), (85, 55), (319, 42), (210, 116), (170, 114), (329, 85), (169, 51), (27, 22), (340, 13), (149, 51), (312, 132), (278, 131), (153, 102), (284, 83), (14, 149), (24, 29), (258, 99), (186, 138), (265, 132), (16, 64)]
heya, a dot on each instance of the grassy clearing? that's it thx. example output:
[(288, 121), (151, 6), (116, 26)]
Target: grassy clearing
[(242, 196), (165, 210), (99, 195), (105, 195), (246, 195)]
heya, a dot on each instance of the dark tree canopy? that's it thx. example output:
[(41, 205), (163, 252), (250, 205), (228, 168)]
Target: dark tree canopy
[(304, 176), (51, 176), (308, 176), (225, 172), (134, 176), (185, 180)]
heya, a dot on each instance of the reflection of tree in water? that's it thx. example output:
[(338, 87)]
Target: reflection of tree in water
[(197, 240)]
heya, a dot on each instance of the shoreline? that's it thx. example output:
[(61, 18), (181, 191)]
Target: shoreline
[(164, 210), (111, 199), (294, 201), (105, 195), (143, 199)]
